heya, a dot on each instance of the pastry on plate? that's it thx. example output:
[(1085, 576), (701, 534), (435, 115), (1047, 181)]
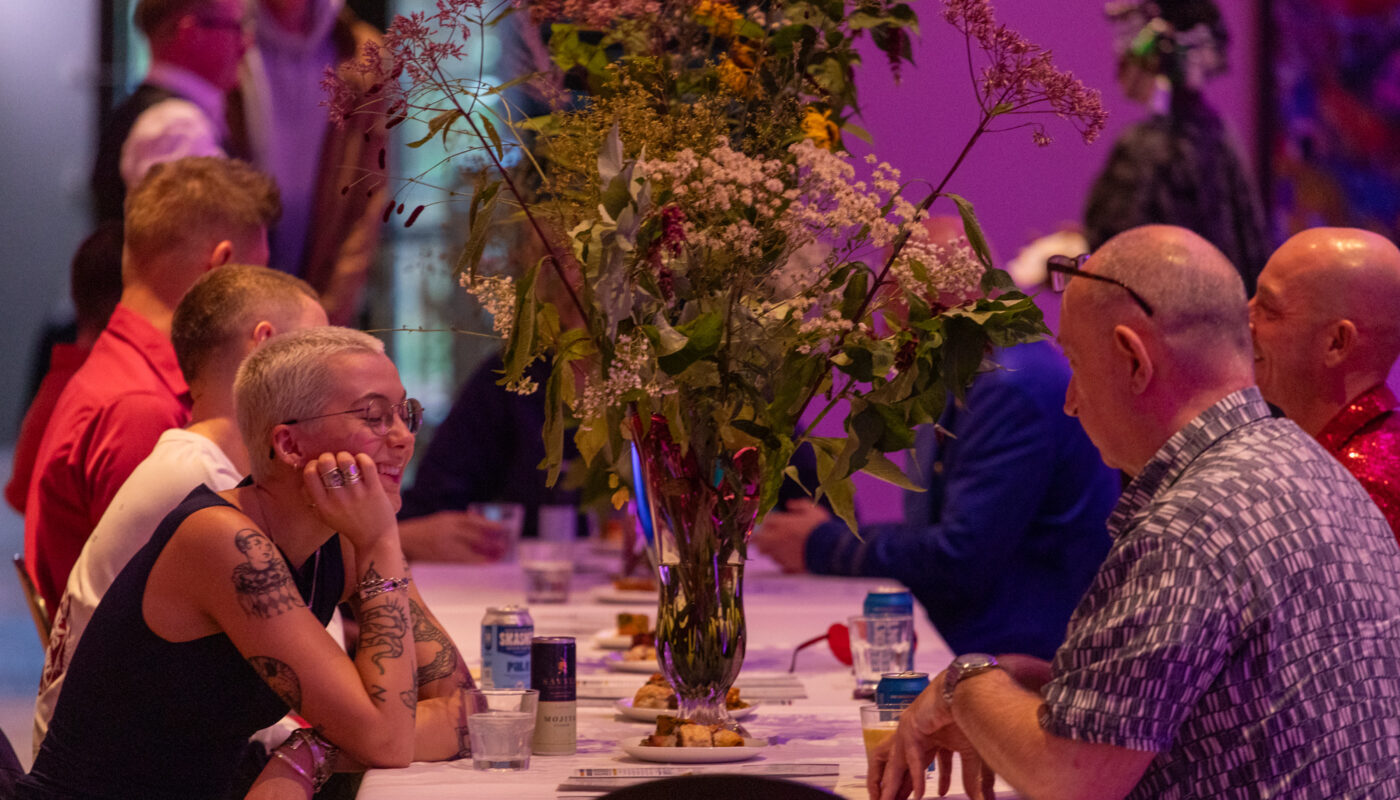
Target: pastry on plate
[(673, 732)]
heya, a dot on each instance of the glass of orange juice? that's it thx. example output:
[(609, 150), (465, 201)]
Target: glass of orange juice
[(877, 723)]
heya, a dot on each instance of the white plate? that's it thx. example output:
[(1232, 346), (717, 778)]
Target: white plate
[(615, 662), (625, 708), (625, 597), (610, 639), (695, 755)]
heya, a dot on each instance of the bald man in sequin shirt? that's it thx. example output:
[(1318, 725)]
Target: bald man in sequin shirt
[(1326, 334)]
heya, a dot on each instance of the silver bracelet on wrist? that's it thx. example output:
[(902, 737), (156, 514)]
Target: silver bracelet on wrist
[(297, 768), (322, 754), (373, 588)]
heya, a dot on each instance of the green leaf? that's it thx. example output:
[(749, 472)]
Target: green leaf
[(881, 467), (491, 132), (854, 295), (975, 237), (520, 345), (702, 340), (610, 158), (857, 131), (839, 490), (480, 214)]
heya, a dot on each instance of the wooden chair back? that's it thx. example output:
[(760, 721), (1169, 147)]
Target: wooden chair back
[(37, 608)]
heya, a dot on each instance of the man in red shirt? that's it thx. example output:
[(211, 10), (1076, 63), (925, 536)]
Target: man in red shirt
[(184, 218), (1326, 335)]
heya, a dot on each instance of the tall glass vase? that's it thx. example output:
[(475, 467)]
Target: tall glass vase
[(698, 506)]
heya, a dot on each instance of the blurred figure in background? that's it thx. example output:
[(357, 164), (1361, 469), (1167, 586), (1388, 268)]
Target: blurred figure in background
[(179, 109), (331, 176), (1177, 167), (95, 285)]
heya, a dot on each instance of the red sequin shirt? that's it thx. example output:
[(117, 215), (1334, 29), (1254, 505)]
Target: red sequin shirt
[(1365, 436)]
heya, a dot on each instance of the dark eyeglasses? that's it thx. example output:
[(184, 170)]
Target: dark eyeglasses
[(379, 415), (1062, 268), (216, 24)]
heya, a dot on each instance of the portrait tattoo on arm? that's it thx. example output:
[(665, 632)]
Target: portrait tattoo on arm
[(425, 633), (278, 675), (263, 583)]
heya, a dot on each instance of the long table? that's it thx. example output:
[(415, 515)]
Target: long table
[(819, 726)]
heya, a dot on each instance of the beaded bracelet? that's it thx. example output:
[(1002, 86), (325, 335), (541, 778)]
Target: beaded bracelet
[(369, 588)]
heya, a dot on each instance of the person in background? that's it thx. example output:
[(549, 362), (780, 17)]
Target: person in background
[(185, 218), (488, 449), (95, 285), (1326, 335), (331, 174), (226, 315), (1177, 167), (1240, 638), (178, 110), (216, 627)]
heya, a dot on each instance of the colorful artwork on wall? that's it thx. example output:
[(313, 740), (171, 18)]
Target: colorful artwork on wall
[(1332, 123)]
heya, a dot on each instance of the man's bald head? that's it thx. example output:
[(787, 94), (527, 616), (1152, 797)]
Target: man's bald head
[(1140, 375), (1324, 320), (1196, 295)]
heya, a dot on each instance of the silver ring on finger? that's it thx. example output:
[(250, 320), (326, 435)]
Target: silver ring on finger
[(352, 475), (333, 478)]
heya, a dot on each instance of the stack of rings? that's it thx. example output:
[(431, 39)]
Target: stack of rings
[(333, 478), (352, 475)]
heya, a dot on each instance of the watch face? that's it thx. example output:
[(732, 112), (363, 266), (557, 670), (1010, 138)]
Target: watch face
[(974, 661)]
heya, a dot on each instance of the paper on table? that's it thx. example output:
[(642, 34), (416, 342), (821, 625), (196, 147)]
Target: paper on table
[(608, 778)]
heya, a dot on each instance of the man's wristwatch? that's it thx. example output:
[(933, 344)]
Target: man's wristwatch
[(964, 667)]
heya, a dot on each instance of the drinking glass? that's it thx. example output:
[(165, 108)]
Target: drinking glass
[(549, 569), (877, 723), (501, 727), (880, 644), (510, 515)]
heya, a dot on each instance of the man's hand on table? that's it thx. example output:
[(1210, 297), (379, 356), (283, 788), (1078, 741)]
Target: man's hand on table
[(896, 768), (783, 534), (461, 536)]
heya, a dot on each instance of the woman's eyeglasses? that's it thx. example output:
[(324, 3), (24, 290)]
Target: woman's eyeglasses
[(379, 415), (1062, 268)]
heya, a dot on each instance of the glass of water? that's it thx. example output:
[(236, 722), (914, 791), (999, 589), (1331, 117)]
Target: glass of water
[(501, 727), (880, 644), (548, 569)]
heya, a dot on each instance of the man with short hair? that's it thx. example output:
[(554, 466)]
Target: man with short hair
[(184, 219), (178, 110), (1240, 639), (1326, 334), (226, 315)]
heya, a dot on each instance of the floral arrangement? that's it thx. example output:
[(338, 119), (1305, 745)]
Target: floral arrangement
[(709, 257)]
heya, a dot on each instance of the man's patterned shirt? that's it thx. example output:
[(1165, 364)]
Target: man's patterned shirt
[(1246, 623)]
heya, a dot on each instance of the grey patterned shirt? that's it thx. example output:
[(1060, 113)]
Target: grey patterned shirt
[(1246, 623)]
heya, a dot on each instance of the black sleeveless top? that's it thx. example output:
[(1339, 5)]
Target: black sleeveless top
[(140, 716)]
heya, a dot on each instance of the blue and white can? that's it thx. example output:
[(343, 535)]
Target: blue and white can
[(885, 601), (506, 632)]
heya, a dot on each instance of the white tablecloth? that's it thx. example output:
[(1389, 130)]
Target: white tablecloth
[(782, 611)]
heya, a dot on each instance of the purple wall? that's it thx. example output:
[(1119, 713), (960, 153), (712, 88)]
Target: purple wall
[(1021, 191)]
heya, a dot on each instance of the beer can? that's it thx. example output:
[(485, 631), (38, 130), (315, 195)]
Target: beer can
[(889, 601), (552, 673), (506, 632), (898, 689)]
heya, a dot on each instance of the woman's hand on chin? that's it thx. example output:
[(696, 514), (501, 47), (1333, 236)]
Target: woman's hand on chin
[(344, 491)]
